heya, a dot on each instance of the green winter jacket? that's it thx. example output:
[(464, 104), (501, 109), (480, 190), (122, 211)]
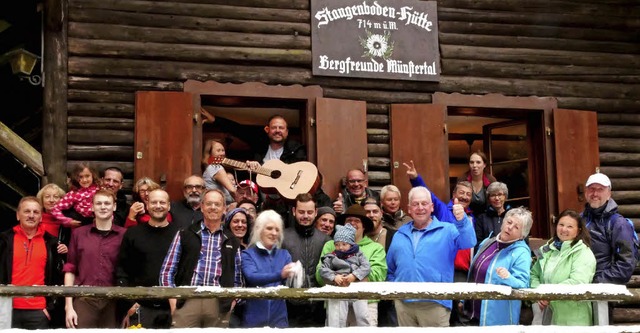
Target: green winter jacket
[(570, 265), (373, 251)]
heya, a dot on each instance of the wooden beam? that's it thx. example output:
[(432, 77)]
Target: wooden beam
[(21, 149), (54, 111), (368, 291), (8, 206)]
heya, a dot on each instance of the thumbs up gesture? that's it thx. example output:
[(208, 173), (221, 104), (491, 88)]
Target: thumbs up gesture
[(338, 205), (458, 210)]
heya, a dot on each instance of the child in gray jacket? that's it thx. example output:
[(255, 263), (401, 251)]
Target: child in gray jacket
[(336, 266)]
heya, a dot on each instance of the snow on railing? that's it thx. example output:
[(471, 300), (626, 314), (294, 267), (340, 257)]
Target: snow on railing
[(366, 290)]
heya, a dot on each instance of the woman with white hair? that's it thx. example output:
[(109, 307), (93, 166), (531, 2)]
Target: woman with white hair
[(265, 264), (504, 260), (393, 216)]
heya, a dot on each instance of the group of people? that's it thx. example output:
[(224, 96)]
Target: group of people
[(228, 234)]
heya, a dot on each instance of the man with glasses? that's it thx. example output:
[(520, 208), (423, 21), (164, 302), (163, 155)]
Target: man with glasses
[(355, 192), (187, 211), (424, 250)]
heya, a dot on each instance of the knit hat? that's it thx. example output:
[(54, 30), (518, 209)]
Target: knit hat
[(325, 210), (231, 214), (345, 233)]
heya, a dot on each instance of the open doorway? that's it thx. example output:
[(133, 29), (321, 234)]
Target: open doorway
[(240, 121), (513, 144), (503, 140)]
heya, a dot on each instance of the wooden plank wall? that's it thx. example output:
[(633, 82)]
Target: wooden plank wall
[(585, 53)]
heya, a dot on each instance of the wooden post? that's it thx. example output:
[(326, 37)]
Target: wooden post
[(54, 111), (6, 310), (600, 313)]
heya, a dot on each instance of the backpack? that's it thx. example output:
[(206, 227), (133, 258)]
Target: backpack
[(636, 242)]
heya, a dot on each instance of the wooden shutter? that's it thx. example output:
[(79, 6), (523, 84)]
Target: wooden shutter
[(341, 127), (418, 133), (164, 138), (576, 154)]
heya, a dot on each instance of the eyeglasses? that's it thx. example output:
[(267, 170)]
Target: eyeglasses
[(355, 181), (496, 195), (419, 204), (193, 187)]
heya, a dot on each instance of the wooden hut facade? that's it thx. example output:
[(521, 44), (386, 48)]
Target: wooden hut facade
[(126, 80)]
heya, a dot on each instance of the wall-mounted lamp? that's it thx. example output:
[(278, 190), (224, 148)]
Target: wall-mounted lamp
[(22, 64)]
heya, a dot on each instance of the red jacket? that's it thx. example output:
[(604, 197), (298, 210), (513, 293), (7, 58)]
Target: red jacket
[(42, 265)]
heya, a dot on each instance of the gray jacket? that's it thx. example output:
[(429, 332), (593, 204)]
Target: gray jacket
[(357, 264)]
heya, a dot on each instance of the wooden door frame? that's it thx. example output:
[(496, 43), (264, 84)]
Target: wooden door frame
[(259, 89), (540, 110)]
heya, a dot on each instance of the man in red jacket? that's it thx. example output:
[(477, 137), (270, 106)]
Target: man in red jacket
[(28, 257)]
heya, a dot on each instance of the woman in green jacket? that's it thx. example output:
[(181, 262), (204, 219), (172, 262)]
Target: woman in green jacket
[(566, 259)]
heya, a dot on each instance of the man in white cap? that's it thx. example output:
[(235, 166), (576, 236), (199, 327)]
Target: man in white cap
[(612, 240)]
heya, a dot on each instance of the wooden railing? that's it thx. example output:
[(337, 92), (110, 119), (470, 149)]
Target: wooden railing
[(599, 293), (368, 290)]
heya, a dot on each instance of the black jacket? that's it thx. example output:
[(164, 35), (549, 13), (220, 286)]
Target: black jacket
[(305, 244), (53, 266), (293, 152), (191, 244), (183, 215), (611, 242), (488, 224), (122, 209)]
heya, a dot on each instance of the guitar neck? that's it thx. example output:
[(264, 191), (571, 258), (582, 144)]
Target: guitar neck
[(243, 165)]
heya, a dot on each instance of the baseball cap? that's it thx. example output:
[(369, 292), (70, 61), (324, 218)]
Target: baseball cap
[(248, 183), (599, 178)]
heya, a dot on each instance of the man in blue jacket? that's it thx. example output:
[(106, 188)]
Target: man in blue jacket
[(423, 250), (612, 239)]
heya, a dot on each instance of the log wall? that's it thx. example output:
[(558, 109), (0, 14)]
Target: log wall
[(584, 54)]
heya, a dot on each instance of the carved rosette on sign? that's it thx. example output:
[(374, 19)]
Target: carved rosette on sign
[(385, 39)]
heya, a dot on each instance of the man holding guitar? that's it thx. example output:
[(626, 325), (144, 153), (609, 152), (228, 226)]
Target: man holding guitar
[(288, 151)]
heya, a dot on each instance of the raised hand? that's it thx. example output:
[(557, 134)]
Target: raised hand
[(458, 210), (338, 205), (411, 170)]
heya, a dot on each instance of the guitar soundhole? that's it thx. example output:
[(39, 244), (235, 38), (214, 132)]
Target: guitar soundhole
[(275, 174)]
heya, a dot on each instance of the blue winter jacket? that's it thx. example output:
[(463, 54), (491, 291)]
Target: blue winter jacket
[(517, 260), (263, 269), (612, 243), (432, 259)]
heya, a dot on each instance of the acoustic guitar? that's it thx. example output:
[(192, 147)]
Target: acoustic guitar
[(275, 176)]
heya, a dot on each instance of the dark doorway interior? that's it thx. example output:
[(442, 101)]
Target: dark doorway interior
[(508, 138), (240, 123)]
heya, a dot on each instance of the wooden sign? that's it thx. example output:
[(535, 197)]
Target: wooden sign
[(385, 39)]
